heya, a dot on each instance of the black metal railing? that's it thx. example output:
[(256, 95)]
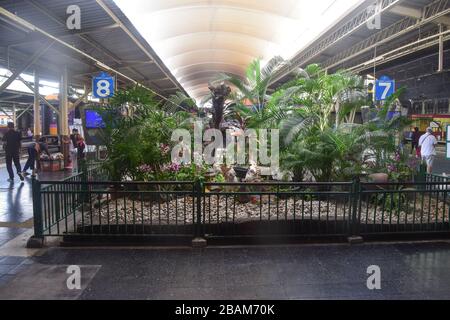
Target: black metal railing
[(82, 205)]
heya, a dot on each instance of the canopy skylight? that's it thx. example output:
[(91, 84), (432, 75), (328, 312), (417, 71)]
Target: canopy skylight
[(198, 38)]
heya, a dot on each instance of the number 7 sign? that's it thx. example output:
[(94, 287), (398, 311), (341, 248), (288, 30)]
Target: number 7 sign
[(384, 88)]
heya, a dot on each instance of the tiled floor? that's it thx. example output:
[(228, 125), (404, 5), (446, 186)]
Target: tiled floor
[(16, 204), (10, 267), (408, 271)]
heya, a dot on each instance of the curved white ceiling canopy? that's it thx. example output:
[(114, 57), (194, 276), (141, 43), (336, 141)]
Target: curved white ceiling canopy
[(197, 39)]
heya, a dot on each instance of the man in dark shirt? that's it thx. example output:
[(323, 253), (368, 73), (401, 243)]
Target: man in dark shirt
[(12, 142)]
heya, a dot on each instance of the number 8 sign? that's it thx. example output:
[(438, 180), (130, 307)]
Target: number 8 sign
[(384, 88), (103, 86)]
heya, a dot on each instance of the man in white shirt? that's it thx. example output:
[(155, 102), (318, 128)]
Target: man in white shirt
[(427, 144)]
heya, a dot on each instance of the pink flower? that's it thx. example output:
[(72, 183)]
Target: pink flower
[(173, 167), (392, 168), (145, 168)]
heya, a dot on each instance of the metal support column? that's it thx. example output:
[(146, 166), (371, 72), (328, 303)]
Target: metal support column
[(37, 107), (441, 49), (14, 116), (85, 96), (64, 117), (64, 105)]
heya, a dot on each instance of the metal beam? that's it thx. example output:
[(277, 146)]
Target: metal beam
[(23, 112), (136, 41), (31, 38), (62, 23), (407, 11), (32, 88), (14, 115), (418, 14), (26, 65), (36, 107), (4, 112), (402, 51), (394, 31), (43, 66), (64, 105), (94, 44), (12, 102), (80, 100), (26, 24), (335, 35), (441, 49)]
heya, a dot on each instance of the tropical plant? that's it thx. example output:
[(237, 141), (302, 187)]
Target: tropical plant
[(250, 100), (180, 102), (137, 133), (334, 149)]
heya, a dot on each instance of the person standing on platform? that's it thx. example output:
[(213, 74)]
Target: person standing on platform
[(29, 133), (73, 149), (34, 152), (427, 144), (12, 140), (415, 142), (81, 146)]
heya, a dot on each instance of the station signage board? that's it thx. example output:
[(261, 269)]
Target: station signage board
[(103, 86), (384, 88)]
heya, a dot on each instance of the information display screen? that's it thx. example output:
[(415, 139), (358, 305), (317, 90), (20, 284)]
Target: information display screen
[(94, 120)]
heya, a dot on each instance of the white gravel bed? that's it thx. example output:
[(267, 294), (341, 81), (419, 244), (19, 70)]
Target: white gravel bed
[(229, 209)]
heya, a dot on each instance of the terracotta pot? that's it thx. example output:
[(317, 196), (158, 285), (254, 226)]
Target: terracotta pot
[(379, 177)]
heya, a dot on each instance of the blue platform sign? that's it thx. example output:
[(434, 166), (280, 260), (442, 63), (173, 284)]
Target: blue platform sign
[(103, 86), (384, 88)]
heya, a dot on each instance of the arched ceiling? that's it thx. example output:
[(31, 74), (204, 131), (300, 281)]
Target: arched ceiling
[(197, 39)]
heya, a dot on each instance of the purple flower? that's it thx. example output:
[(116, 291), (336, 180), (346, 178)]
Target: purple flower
[(392, 168), (173, 167), (145, 168)]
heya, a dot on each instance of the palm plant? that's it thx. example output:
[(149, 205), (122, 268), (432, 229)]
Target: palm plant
[(135, 138), (180, 102), (330, 149), (251, 101)]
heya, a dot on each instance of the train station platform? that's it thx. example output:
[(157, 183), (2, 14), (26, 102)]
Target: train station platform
[(16, 209)]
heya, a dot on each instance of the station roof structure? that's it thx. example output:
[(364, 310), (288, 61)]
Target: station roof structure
[(359, 44), (180, 45), (34, 36), (199, 38)]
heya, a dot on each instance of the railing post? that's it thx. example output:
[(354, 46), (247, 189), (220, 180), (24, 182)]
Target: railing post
[(199, 241), (422, 176), (37, 240), (84, 179), (355, 237)]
